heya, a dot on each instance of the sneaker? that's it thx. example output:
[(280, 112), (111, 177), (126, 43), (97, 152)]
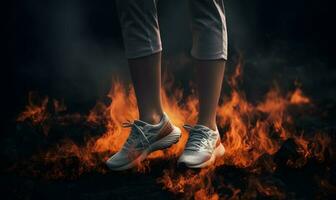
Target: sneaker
[(202, 148), (144, 139)]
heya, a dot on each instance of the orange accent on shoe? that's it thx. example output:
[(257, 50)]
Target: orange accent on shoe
[(165, 130)]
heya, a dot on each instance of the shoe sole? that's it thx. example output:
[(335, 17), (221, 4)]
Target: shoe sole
[(163, 143), (218, 152)]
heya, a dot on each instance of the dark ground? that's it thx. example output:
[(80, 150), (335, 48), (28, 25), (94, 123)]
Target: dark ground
[(70, 50)]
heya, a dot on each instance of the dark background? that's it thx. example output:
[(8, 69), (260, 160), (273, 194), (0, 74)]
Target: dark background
[(71, 49)]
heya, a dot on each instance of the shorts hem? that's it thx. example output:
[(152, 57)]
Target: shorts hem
[(217, 56), (143, 53)]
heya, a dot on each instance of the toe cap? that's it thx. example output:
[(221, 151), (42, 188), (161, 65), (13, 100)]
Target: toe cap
[(117, 160), (193, 158)]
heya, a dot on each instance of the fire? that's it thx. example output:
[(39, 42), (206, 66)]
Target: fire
[(249, 132), (122, 108), (190, 183), (298, 98), (36, 112)]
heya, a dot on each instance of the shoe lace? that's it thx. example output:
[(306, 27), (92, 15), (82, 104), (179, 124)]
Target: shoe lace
[(198, 138), (134, 136)]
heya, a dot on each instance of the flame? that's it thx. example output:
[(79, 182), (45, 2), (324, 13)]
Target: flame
[(314, 147), (298, 98), (117, 113), (36, 112), (249, 131)]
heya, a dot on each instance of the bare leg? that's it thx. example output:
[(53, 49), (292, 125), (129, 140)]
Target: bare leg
[(146, 77), (210, 75)]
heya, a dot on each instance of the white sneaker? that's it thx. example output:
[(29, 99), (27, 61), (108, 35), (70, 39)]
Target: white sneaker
[(202, 148), (144, 139)]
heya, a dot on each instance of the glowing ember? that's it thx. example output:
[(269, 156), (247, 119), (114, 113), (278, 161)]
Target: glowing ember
[(298, 98)]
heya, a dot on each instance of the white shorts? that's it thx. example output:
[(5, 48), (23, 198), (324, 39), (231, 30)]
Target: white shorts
[(141, 33)]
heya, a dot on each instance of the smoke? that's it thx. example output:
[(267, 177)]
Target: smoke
[(72, 49)]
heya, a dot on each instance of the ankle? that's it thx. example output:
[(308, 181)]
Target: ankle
[(152, 118), (210, 124)]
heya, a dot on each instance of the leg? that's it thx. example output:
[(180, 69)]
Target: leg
[(209, 82), (141, 36), (210, 52), (198, 153), (146, 77)]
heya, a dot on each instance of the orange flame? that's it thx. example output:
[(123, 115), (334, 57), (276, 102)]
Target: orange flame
[(36, 112), (298, 98), (250, 132)]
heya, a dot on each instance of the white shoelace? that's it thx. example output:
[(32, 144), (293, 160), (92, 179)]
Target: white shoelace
[(198, 138), (133, 138)]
